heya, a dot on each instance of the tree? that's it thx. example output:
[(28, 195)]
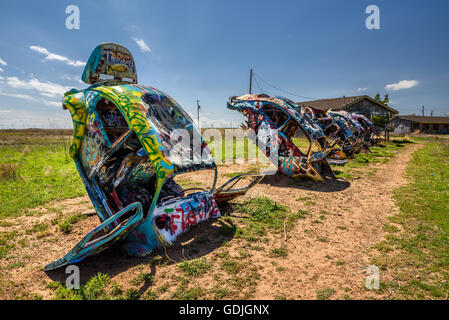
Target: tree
[(377, 97), (386, 99)]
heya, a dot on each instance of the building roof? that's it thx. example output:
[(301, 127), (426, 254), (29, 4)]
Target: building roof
[(342, 102), (423, 119)]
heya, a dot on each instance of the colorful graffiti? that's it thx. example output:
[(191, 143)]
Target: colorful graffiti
[(290, 123), (128, 146), (347, 133)]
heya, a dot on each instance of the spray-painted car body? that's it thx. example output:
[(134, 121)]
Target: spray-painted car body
[(128, 147), (346, 121), (371, 132), (277, 114), (339, 134)]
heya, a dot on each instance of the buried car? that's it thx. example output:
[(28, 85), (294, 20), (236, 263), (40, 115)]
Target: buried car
[(371, 132), (129, 143), (347, 123), (338, 133), (286, 134)]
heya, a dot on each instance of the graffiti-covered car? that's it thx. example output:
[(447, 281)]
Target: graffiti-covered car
[(346, 121), (371, 132), (299, 142), (129, 142), (337, 131)]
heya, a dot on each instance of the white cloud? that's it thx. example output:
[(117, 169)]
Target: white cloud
[(17, 95), (142, 45), (53, 103), (403, 84), (71, 78), (40, 50), (57, 57), (47, 89), (362, 89), (1, 70), (2, 62), (31, 98)]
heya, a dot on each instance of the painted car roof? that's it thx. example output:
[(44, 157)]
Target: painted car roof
[(129, 99)]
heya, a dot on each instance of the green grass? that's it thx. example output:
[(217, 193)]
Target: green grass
[(99, 287), (66, 225), (325, 293), (94, 289), (195, 267), (240, 148), (251, 169), (418, 257), (231, 266), (281, 252), (220, 293), (182, 292), (142, 277), (264, 214), (42, 173)]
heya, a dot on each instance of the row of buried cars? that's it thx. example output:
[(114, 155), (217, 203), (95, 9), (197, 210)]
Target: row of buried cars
[(307, 139), (128, 149)]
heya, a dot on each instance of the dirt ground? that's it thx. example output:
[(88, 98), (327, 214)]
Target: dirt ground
[(330, 249)]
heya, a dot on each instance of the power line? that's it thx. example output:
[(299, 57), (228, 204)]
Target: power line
[(292, 94), (258, 86)]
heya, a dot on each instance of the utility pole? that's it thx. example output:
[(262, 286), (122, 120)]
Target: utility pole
[(422, 111), (250, 81), (431, 113), (198, 107)]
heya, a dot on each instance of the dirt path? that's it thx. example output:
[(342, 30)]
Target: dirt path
[(328, 251), (335, 252)]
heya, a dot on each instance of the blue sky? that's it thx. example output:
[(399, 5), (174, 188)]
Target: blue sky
[(205, 49)]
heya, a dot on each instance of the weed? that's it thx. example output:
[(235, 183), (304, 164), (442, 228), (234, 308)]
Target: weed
[(231, 266), (150, 295), (195, 267), (220, 293), (39, 227), (95, 288), (132, 294), (390, 228), (325, 293), (142, 277), (281, 252)]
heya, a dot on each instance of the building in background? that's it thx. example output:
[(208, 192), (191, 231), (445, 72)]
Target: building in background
[(359, 104), (408, 124)]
